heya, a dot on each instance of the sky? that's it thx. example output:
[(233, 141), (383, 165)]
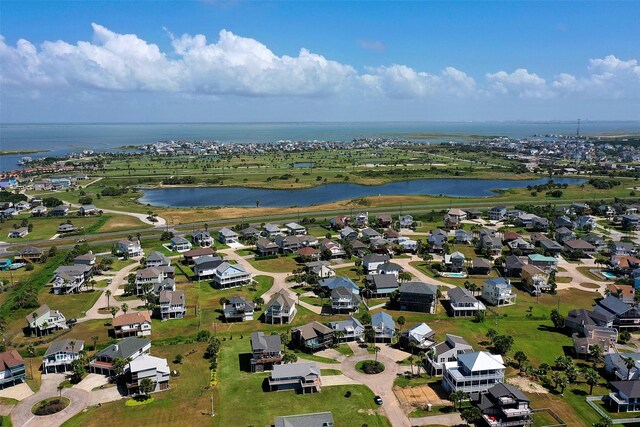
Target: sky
[(287, 61)]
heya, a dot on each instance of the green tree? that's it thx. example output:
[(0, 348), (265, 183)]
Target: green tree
[(124, 307), (95, 339), (119, 364), (491, 334), (591, 377), (401, 320), (31, 351), (146, 387), (113, 312), (595, 352), (502, 344), (629, 363), (471, 416), (108, 295), (376, 350), (520, 357)]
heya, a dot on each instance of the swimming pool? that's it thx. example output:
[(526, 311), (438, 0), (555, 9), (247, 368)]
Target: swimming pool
[(608, 275), (455, 275)]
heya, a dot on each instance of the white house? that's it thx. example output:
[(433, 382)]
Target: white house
[(61, 354), (202, 238), (498, 291), (130, 247), (146, 366), (227, 235), (43, 320), (473, 372), (180, 244), (351, 329), (229, 275)]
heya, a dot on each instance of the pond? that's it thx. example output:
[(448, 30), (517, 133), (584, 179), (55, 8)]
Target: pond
[(328, 193), (304, 165)]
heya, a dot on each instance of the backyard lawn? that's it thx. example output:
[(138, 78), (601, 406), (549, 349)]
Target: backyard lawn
[(282, 264)]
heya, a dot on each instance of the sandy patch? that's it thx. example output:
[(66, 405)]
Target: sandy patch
[(527, 385)]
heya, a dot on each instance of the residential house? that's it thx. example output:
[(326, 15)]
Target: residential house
[(68, 228), (334, 248), (60, 210), (615, 364), (204, 267), (372, 262), (563, 221), (436, 242), (44, 320), (545, 263), (462, 303), (61, 354), (421, 336), (359, 249), (579, 320), (388, 268), (497, 213), (535, 280), (513, 265), (202, 238), (280, 309), (381, 285), (32, 254), (463, 237), (584, 222), (417, 296), (69, 279), (87, 210), (171, 305), (88, 259), (18, 233), (295, 229), (266, 247), (134, 324), (473, 213), (351, 330), (238, 309), (579, 247), (362, 220), (344, 300), (625, 264), (446, 351), (128, 348), (454, 262), (230, 275), (39, 211), (626, 315), (383, 220), (157, 259), (631, 222), (521, 245), (622, 248), (302, 377), (594, 335), (271, 231), (407, 244), (147, 279), (193, 254), (503, 405), (457, 214), (480, 266), (5, 264), (369, 234), (179, 244), (406, 221), (347, 234), (131, 248), (312, 337), (498, 292), (383, 326), (145, 366), (473, 372), (250, 233), (22, 206), (625, 396), (321, 269), (266, 351), (551, 247), (12, 369), (319, 419), (451, 223), (339, 222), (227, 236), (490, 242)]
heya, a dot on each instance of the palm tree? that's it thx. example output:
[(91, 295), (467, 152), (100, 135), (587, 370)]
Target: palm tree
[(31, 351), (113, 312), (629, 363), (95, 339), (591, 376), (376, 350), (420, 363), (108, 294), (370, 335), (125, 307), (595, 353), (60, 388), (35, 325), (411, 359), (337, 335), (258, 301), (45, 326)]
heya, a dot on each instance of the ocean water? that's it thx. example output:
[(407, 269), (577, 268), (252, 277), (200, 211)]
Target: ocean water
[(60, 139)]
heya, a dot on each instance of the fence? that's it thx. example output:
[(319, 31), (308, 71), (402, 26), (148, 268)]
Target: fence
[(592, 399)]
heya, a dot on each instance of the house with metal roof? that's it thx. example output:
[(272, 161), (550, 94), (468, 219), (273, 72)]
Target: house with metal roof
[(445, 351), (332, 283), (227, 235), (421, 336), (351, 330), (383, 326), (301, 377), (230, 275), (61, 354), (320, 419), (473, 372)]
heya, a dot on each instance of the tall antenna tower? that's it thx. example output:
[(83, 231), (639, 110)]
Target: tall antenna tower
[(578, 130)]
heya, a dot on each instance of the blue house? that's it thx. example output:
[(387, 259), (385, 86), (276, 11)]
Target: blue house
[(332, 283), (5, 264)]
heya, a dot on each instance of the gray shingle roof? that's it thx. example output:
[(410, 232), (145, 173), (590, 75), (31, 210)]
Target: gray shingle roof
[(124, 348), (65, 346)]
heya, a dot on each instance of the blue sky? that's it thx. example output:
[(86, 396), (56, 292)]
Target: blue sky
[(291, 61)]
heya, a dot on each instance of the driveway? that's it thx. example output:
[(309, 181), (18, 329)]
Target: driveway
[(91, 381), (381, 384), (446, 420), (17, 392), (22, 416), (109, 394), (329, 380), (119, 279)]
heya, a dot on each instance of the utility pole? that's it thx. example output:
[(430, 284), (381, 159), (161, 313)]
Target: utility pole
[(578, 130), (212, 405)]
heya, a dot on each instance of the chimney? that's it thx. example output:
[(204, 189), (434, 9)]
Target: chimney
[(115, 347)]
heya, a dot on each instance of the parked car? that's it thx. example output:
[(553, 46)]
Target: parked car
[(378, 400), (72, 321)]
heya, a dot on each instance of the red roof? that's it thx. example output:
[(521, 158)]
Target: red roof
[(627, 291), (9, 359), (307, 251), (511, 235)]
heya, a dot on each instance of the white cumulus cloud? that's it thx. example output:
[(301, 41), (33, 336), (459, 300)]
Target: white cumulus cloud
[(520, 83)]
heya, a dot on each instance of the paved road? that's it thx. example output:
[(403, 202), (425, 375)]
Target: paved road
[(119, 279), (381, 384), (22, 416)]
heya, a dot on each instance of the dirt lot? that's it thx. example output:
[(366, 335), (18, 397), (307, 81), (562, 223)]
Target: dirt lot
[(418, 397)]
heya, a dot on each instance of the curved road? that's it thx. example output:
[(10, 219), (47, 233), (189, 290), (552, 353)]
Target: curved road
[(22, 416)]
